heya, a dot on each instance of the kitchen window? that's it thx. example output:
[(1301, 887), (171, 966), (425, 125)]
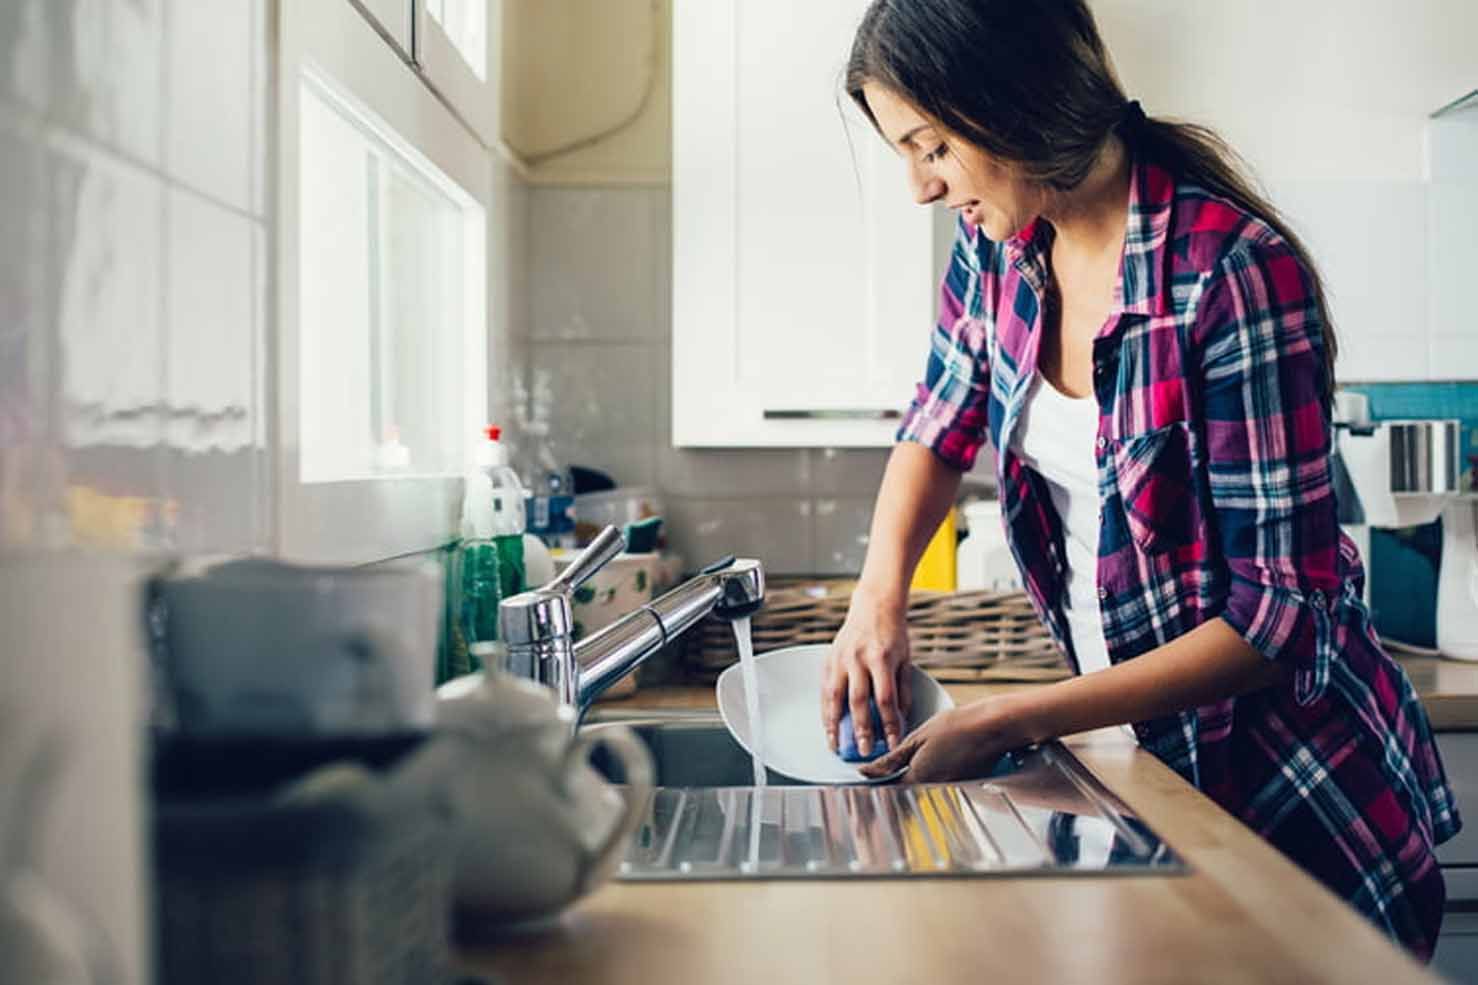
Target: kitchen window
[(384, 199), (391, 308)]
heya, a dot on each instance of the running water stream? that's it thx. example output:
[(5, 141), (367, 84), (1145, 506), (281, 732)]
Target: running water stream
[(745, 646)]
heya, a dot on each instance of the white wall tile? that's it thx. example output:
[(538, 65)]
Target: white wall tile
[(594, 264), (25, 313), (732, 472), (776, 531), (605, 405), (207, 130), (1363, 358), (1453, 251), (1454, 357), (26, 54), (263, 386), (107, 222), (848, 471), (101, 460), (106, 82), (210, 388), (116, 95), (260, 61), (1377, 292), (841, 528), (212, 467)]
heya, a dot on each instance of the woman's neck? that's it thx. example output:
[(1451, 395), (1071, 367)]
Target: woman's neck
[(1089, 220)]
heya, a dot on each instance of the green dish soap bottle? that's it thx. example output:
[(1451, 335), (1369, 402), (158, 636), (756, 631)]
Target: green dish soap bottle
[(508, 517)]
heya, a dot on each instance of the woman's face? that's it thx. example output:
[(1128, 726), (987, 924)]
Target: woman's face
[(944, 168)]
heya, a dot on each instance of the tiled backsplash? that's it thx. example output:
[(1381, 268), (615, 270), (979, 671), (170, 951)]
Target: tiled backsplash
[(133, 274)]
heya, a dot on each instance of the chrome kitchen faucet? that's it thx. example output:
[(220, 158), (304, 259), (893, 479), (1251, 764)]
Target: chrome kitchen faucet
[(538, 627)]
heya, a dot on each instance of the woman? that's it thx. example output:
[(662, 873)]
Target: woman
[(1146, 345)]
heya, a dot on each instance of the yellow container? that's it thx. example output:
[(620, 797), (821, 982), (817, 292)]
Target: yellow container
[(936, 571)]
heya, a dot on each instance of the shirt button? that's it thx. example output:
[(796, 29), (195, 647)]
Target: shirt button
[(1103, 594), (1102, 442)]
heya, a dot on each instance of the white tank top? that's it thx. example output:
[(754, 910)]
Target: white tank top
[(1056, 437)]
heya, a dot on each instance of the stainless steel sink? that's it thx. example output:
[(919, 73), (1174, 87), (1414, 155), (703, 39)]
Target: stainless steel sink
[(1040, 812)]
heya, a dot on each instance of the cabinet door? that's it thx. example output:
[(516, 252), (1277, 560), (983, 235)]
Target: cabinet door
[(802, 269)]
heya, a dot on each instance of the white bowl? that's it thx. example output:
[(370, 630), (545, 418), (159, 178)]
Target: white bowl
[(790, 703)]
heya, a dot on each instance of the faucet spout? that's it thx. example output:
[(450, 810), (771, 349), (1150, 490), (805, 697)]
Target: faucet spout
[(733, 592)]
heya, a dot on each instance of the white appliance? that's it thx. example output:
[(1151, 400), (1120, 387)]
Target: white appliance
[(1405, 473), (1457, 586)]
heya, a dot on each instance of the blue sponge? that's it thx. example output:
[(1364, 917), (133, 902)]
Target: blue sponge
[(847, 736)]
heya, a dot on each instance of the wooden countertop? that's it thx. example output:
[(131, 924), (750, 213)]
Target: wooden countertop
[(1244, 913), (1448, 688)]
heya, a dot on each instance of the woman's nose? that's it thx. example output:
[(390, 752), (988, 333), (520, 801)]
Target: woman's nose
[(925, 187)]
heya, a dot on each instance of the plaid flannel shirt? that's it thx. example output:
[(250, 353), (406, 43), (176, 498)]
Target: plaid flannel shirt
[(1214, 480)]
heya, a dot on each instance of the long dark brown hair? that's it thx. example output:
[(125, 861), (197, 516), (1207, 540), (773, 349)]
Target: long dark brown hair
[(1030, 83)]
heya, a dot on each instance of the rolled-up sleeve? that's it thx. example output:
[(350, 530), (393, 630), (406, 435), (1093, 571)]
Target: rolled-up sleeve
[(1259, 331), (949, 410)]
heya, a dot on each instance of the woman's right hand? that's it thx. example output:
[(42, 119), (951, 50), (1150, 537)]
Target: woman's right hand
[(868, 658)]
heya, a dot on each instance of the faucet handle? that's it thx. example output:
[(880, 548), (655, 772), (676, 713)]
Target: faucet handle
[(606, 546)]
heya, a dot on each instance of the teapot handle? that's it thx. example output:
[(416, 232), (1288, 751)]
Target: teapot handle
[(636, 764)]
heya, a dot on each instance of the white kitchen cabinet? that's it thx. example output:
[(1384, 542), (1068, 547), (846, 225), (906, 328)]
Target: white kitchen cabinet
[(803, 272)]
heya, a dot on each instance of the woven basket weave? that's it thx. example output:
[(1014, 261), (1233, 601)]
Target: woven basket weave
[(956, 636)]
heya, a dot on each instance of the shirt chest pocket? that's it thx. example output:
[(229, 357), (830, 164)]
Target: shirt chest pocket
[(1156, 482)]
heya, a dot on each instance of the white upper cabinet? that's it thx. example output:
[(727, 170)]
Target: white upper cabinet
[(803, 271)]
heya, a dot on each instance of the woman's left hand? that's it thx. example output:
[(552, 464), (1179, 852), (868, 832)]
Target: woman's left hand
[(958, 744)]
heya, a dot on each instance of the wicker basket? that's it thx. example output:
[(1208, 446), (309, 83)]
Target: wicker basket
[(956, 636)]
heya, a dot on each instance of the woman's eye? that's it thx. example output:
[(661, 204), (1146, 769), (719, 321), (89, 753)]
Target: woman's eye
[(937, 154)]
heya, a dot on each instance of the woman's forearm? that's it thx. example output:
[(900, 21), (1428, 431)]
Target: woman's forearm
[(916, 493), (1208, 664)]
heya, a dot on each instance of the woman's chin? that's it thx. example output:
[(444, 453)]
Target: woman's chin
[(995, 229)]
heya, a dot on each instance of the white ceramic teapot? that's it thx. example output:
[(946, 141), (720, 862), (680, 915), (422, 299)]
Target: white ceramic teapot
[(536, 826)]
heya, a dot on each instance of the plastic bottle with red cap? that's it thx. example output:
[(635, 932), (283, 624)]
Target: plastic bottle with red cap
[(489, 563), (508, 517)]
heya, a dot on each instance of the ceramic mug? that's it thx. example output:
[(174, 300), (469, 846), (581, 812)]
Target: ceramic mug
[(536, 826), (266, 648)]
